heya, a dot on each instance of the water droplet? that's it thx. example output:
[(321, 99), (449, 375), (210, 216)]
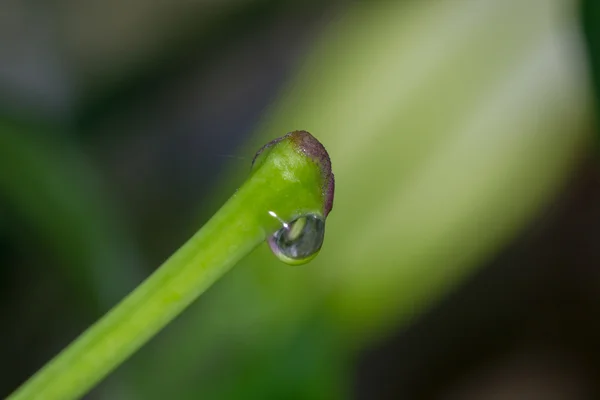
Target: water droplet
[(299, 241)]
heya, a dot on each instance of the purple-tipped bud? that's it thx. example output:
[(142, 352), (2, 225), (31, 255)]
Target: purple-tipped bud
[(312, 148)]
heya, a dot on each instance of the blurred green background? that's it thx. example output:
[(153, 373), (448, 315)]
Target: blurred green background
[(461, 256)]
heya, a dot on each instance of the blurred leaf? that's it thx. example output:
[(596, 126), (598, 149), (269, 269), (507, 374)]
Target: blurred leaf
[(58, 195), (447, 133)]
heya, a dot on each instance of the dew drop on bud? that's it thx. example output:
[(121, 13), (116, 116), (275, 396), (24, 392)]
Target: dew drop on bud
[(299, 241)]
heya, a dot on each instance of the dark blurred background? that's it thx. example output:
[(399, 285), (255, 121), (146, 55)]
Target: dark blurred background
[(461, 257)]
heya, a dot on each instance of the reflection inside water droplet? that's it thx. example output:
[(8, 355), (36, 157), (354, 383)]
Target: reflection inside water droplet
[(300, 240)]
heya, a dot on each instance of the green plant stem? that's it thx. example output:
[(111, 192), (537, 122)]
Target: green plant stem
[(188, 273), (286, 183)]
